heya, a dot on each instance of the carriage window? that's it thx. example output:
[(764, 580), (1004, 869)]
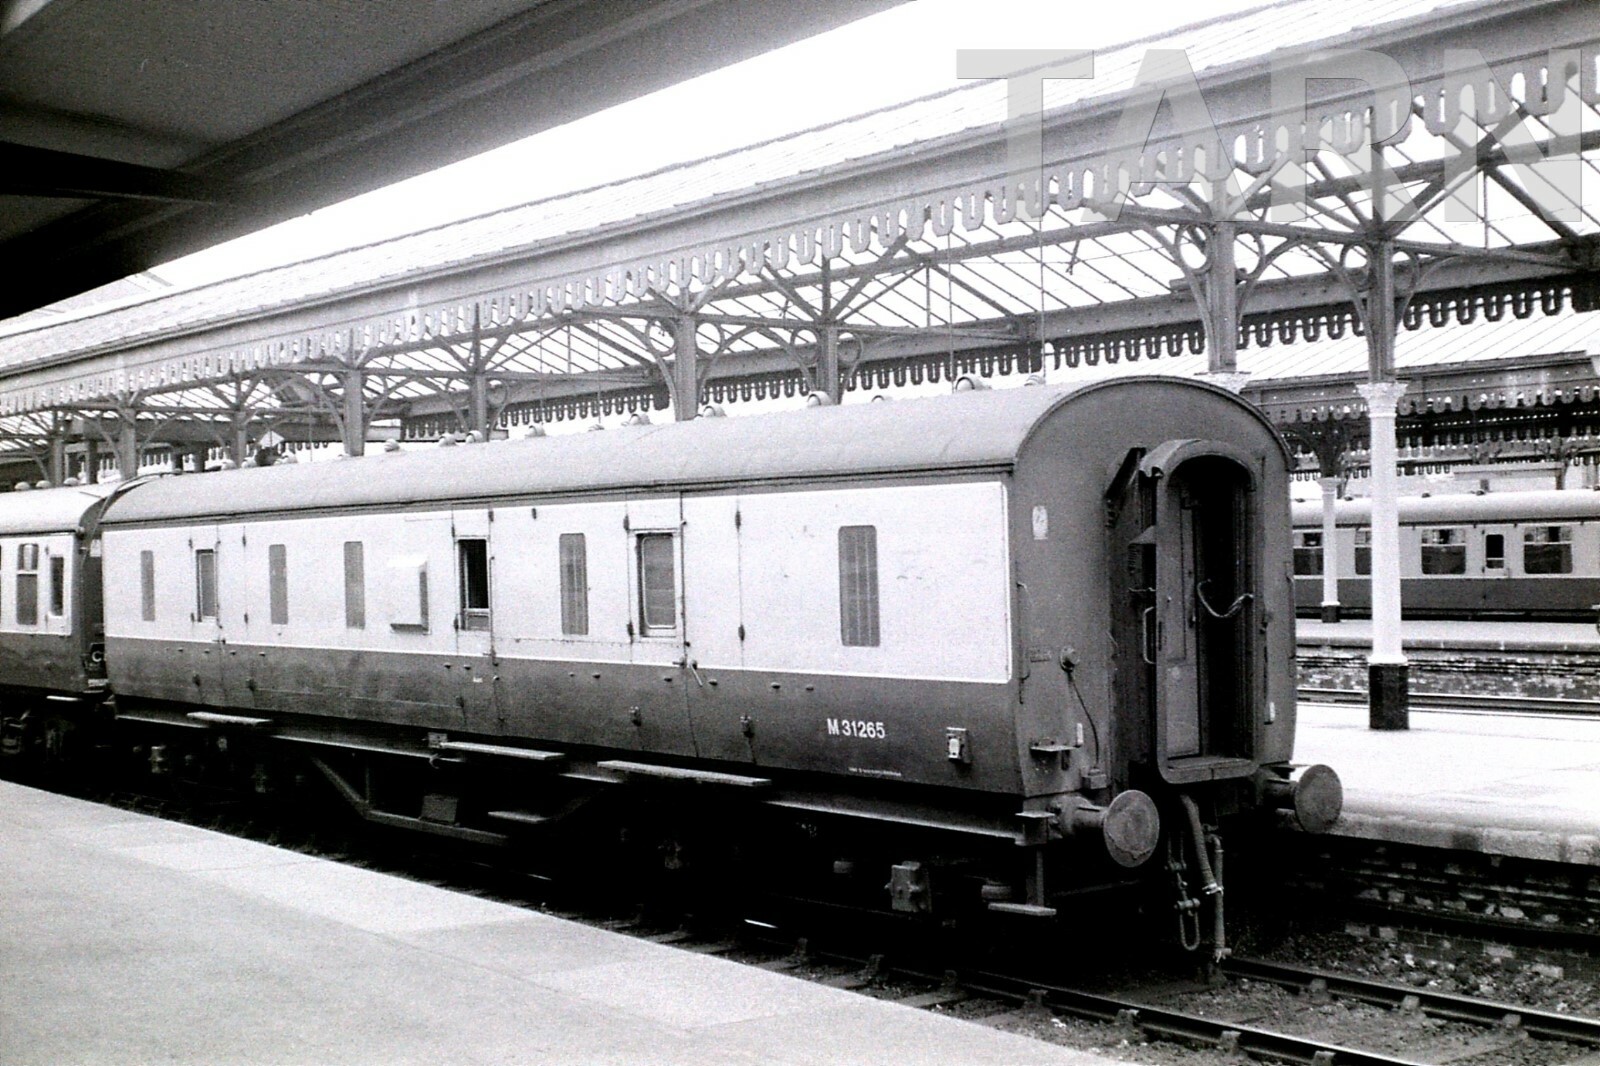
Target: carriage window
[(1307, 554), (1547, 550), (147, 586), (858, 586), (574, 585), (205, 583), (27, 584), (1494, 551), (1363, 551), (355, 585), (658, 604), (1444, 551), (405, 592), (472, 559), (58, 585), (278, 583)]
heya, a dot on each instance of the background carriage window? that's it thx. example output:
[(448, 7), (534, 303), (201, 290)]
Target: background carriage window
[(1307, 554), (472, 559), (355, 585), (574, 585), (858, 586), (278, 583), (58, 585), (1547, 550), (205, 583), (1363, 551), (147, 586), (658, 602), (1494, 551), (1444, 551), (27, 584)]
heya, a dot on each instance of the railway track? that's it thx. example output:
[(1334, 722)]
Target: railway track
[(1460, 702), (1148, 1013)]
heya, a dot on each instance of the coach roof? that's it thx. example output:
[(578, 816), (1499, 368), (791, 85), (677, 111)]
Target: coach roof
[(1514, 505), (48, 510), (967, 431)]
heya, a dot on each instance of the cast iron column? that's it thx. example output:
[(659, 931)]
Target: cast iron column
[(1330, 557), (685, 381), (355, 413), (1388, 686)]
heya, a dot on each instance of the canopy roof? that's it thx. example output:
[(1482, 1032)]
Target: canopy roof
[(894, 246)]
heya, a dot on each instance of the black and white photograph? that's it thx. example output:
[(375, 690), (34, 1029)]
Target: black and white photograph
[(799, 533)]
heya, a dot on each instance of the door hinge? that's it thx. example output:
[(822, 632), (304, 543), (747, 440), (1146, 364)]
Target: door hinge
[(626, 527), (738, 519), (741, 632)]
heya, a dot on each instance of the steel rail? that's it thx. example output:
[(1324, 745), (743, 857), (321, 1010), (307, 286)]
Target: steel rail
[(1468, 702), (1177, 1025), (1547, 1025)]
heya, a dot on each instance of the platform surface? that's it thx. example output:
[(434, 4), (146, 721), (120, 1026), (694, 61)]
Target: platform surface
[(1503, 784), (128, 940), (1455, 633)]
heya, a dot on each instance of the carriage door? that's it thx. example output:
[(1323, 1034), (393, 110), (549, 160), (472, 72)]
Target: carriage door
[(660, 652), (1203, 640), (208, 646), (476, 671), (1131, 569)]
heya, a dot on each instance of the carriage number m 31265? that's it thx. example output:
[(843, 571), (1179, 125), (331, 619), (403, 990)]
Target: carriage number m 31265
[(845, 727)]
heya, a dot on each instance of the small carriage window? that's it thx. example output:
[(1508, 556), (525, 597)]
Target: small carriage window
[(1547, 550), (574, 585), (1444, 551), (472, 558), (205, 583), (278, 583), (858, 586), (658, 584), (1494, 551), (1363, 551), (147, 586), (27, 584), (58, 585), (355, 585), (1307, 554)]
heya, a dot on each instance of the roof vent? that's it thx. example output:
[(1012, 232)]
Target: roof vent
[(536, 430), (818, 399), (969, 383), (712, 410)]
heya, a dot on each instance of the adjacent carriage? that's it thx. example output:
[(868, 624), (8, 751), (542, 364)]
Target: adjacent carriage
[(52, 661), (1529, 554)]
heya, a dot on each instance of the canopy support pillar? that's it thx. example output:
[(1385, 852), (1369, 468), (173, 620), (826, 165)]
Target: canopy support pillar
[(1388, 692)]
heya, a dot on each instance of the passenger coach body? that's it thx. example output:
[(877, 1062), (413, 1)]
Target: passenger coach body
[(50, 591), (1014, 617), (51, 657), (1529, 554)]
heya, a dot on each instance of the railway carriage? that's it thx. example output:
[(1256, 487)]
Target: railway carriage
[(986, 648), (1530, 554), (52, 659)]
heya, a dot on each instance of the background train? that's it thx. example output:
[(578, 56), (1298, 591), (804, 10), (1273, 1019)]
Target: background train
[(1529, 554), (950, 654)]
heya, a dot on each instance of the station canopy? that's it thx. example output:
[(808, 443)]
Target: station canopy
[(1226, 199)]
